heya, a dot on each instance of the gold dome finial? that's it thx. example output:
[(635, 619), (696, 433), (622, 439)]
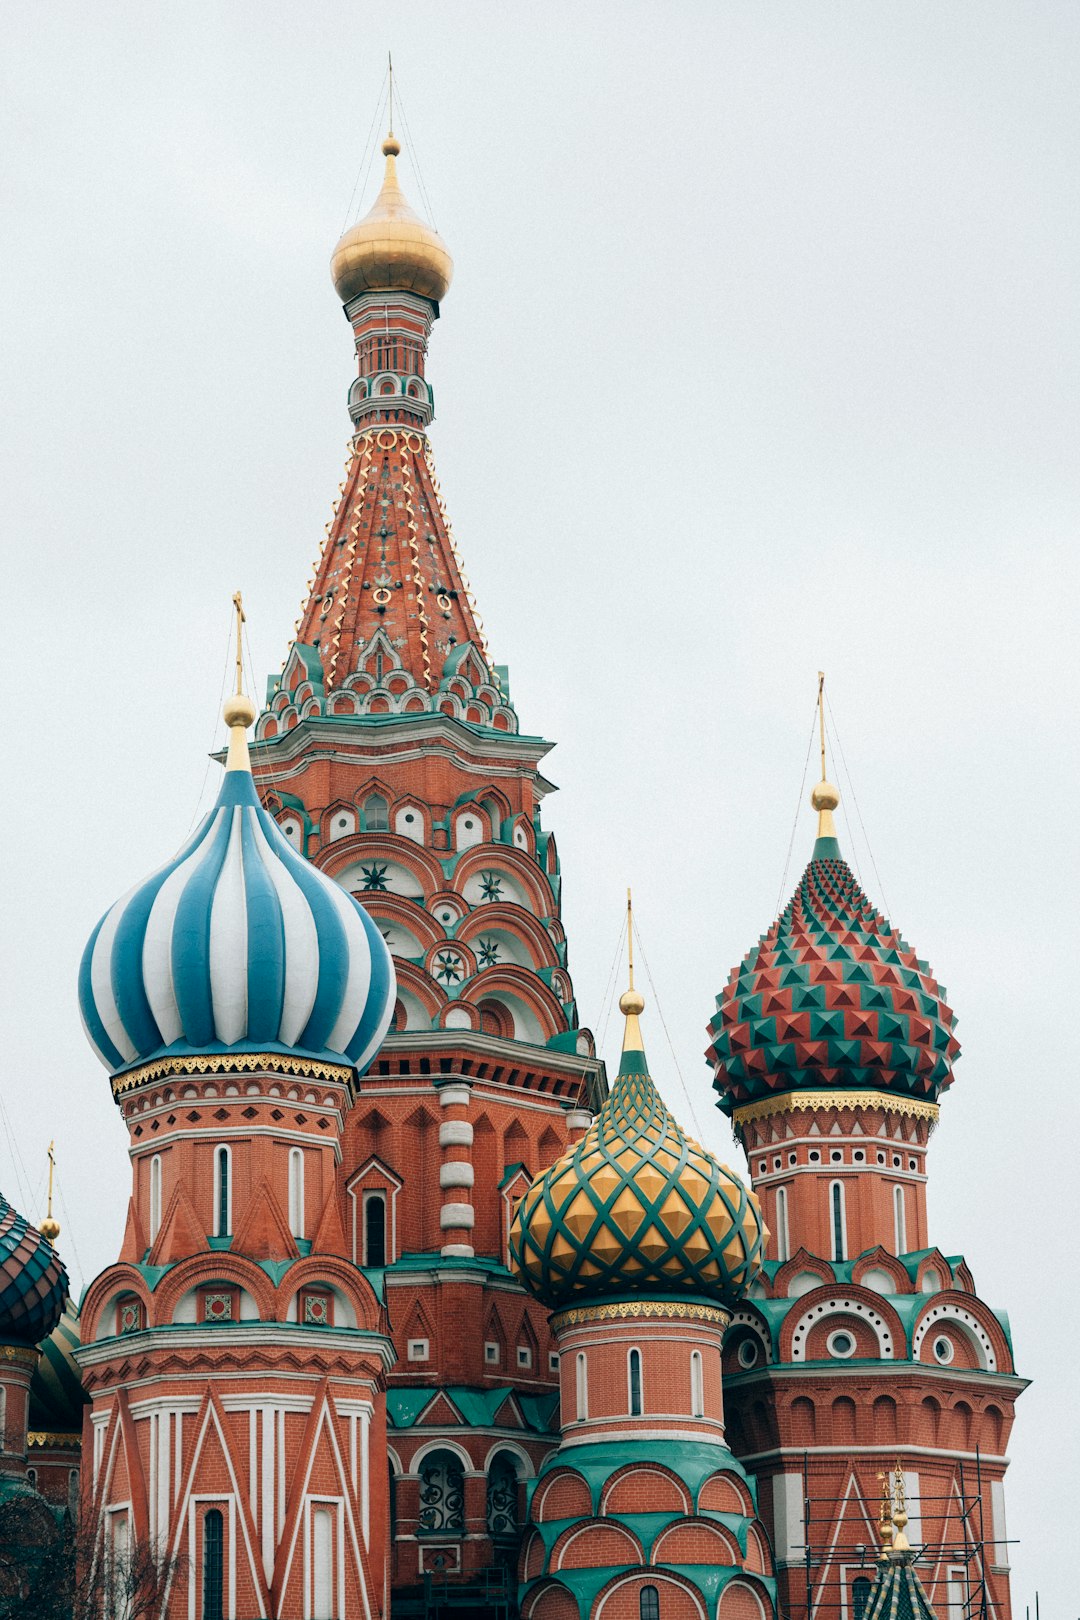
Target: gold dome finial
[(239, 711), (50, 1227), (825, 796), (391, 248), (631, 1002), (885, 1524)]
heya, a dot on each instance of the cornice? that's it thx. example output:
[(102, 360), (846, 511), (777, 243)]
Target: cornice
[(829, 1371), (283, 1063), (629, 1310), (788, 1101), (393, 738), (247, 1335)]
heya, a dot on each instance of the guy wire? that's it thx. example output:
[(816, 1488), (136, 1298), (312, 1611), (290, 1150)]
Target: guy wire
[(798, 812)]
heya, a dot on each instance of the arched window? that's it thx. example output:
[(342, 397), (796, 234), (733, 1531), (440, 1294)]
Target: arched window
[(634, 1369), (502, 1503), (649, 1603), (860, 1597), (782, 1252), (697, 1387), (442, 1494), (900, 1220), (376, 813), (296, 1192), (213, 1572), (155, 1196), (374, 1230), (581, 1376), (222, 1193), (31, 1478), (839, 1223)]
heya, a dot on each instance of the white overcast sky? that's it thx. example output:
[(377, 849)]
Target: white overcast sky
[(761, 356)]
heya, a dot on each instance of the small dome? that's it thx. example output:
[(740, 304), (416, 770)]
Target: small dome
[(831, 996), (636, 1207), (237, 944), (33, 1280), (391, 248), (57, 1396)]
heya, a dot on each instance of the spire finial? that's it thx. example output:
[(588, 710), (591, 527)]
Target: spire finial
[(900, 1542), (631, 1002), (825, 796), (50, 1228), (239, 711), (391, 146), (885, 1524)]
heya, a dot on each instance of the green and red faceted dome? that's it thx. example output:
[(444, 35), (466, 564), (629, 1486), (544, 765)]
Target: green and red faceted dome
[(831, 998), (33, 1280)]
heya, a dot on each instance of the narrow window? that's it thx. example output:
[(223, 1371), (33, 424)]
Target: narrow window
[(213, 1574), (296, 1192), (860, 1596), (635, 1383), (224, 1219), (839, 1235), (322, 1564), (697, 1389), (155, 1196), (649, 1603), (376, 814), (781, 1225), (581, 1373), (374, 1230), (901, 1220)]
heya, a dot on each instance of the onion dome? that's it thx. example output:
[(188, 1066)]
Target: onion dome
[(636, 1206), (33, 1280), (57, 1396), (236, 945), (391, 248), (832, 997)]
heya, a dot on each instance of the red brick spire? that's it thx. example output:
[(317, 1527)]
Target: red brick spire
[(389, 565)]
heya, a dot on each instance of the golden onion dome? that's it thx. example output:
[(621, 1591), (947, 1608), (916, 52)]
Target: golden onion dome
[(391, 248), (637, 1206)]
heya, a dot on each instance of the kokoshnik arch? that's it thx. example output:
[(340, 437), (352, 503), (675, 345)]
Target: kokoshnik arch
[(409, 1303)]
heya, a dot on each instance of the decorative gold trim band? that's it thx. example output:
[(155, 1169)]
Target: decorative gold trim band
[(625, 1309), (42, 1437), (804, 1100), (26, 1355), (233, 1063)]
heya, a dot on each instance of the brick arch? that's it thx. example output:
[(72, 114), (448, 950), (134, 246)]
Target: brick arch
[(352, 1283), (679, 1598), (971, 1317), (387, 846), (594, 1544), (391, 908), (724, 1492), (820, 1304), (801, 1260), (645, 1488), (508, 978), (521, 867), (410, 977), (515, 920), (879, 1259), (743, 1600), (758, 1560), (103, 1292), (552, 1601), (695, 1541), (564, 1494), (532, 1558), (802, 1427), (216, 1267)]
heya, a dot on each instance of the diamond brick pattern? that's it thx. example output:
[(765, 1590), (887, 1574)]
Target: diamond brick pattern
[(831, 996), (33, 1280), (636, 1206)]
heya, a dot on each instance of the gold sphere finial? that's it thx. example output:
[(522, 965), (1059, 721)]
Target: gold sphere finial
[(391, 147), (825, 796), (631, 1002), (50, 1229), (239, 710)]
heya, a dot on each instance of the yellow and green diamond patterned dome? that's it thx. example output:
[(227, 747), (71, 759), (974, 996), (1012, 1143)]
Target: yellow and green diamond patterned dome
[(636, 1207)]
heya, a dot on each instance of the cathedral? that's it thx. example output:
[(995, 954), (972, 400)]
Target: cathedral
[(417, 1310)]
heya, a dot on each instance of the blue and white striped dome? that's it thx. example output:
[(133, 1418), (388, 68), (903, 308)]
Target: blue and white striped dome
[(238, 944)]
